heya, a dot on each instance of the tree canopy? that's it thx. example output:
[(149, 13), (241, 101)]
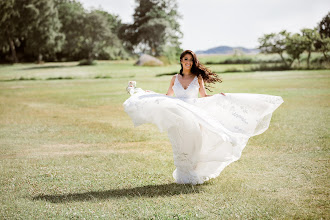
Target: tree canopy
[(44, 37), (274, 43), (33, 24), (65, 30), (323, 40), (155, 27), (309, 40)]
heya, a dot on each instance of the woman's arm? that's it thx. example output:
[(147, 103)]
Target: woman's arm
[(170, 91), (202, 90)]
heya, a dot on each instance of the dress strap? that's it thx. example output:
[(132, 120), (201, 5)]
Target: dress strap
[(176, 78)]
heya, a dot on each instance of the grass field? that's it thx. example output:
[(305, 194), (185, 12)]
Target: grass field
[(68, 149)]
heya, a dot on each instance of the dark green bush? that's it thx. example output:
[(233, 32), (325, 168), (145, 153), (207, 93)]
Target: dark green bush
[(86, 62)]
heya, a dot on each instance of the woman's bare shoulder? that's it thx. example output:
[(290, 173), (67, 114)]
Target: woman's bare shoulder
[(173, 79)]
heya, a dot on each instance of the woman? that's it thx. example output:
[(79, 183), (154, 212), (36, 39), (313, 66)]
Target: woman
[(206, 133), (191, 69)]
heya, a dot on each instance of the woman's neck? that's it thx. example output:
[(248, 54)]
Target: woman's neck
[(186, 72)]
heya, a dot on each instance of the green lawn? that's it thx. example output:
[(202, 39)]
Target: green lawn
[(68, 149)]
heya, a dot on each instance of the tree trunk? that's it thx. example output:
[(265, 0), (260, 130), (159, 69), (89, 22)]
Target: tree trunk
[(286, 64), (39, 58), (90, 57), (13, 51), (153, 51), (325, 55), (324, 50), (291, 62), (308, 59)]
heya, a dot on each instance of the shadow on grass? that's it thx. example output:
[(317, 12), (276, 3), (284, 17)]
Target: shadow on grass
[(48, 67), (166, 74), (33, 78), (171, 189)]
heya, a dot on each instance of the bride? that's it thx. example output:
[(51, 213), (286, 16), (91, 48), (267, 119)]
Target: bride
[(207, 133)]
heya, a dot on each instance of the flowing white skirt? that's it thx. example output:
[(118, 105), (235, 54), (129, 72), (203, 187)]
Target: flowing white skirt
[(206, 134)]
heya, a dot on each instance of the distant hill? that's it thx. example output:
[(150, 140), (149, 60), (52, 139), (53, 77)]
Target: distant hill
[(228, 50)]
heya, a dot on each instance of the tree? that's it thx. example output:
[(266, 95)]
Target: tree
[(14, 25), (310, 37), (44, 37), (96, 34), (295, 46), (323, 41), (324, 26), (114, 49), (274, 43), (155, 27), (9, 36), (71, 15), (89, 34), (31, 22)]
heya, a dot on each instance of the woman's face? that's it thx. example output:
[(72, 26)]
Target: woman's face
[(187, 61)]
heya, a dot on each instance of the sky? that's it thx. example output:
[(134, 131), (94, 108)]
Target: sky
[(211, 23)]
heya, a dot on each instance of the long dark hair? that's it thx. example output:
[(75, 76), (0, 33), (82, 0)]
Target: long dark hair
[(199, 69)]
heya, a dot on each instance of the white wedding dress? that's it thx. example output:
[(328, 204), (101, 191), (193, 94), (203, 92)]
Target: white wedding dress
[(207, 133)]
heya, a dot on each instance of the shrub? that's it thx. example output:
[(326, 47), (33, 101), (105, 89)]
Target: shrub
[(151, 63), (86, 62), (264, 67)]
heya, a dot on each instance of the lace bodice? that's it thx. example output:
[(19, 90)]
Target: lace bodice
[(190, 92)]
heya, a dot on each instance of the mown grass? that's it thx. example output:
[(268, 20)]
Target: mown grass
[(68, 150)]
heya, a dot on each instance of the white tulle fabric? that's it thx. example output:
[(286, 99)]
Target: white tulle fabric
[(206, 134)]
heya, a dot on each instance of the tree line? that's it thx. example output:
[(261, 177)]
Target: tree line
[(63, 30), (295, 44)]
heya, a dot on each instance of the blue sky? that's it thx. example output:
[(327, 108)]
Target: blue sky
[(211, 23)]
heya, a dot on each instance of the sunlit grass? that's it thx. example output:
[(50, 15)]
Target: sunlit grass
[(68, 150)]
